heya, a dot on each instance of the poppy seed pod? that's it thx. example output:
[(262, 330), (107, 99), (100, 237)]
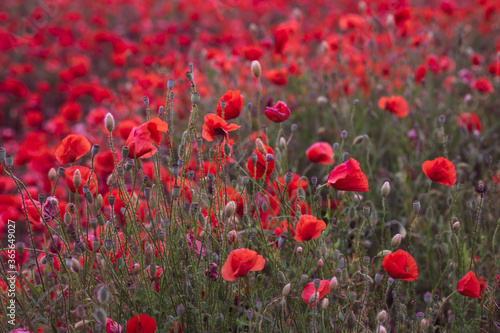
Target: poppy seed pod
[(343, 135), (189, 76), (111, 200), (316, 283), (254, 158), (176, 191), (195, 98), (170, 84), (385, 189), (125, 152), (95, 149), (9, 161), (256, 68), (2, 153), (146, 100), (109, 122), (120, 171), (269, 158)]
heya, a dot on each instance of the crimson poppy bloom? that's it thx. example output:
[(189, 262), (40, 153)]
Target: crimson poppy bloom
[(309, 290), (348, 177), (394, 104), (441, 171), (469, 286), (234, 103), (420, 74), (264, 167), (277, 76), (85, 173), (483, 85), (320, 152), (309, 227), (277, 113), (240, 262), (214, 126), (141, 324), (470, 121), (72, 148), (141, 138), (252, 52), (401, 265)]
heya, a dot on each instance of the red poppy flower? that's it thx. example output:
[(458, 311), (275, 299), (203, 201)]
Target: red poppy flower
[(401, 265), (348, 177), (420, 74), (72, 148), (470, 121), (309, 290), (262, 169), (141, 324), (252, 52), (277, 76), (71, 111), (483, 85), (278, 113), (394, 104), (140, 140), (469, 285), (240, 262), (309, 227), (214, 126), (441, 171), (234, 103), (85, 173), (320, 152)]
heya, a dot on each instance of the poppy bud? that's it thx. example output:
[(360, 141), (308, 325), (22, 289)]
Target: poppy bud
[(333, 284), (80, 312), (232, 236), (282, 143), (351, 321), (442, 119), (227, 149), (256, 68), (335, 146), (146, 100), (390, 281), (195, 98), (75, 265), (456, 226), (245, 180), (52, 174), (352, 296), (230, 209), (100, 316), (170, 84), (93, 223), (303, 278), (381, 329), (77, 179), (382, 316), (286, 289), (366, 260), (299, 250), (103, 295), (324, 303), (95, 149), (109, 122), (253, 158), (260, 146), (9, 161), (180, 310), (343, 135), (385, 189), (2, 153), (336, 254), (160, 110), (320, 263), (416, 206), (189, 76), (314, 297), (444, 248), (396, 240), (424, 324), (147, 192), (108, 244), (249, 315)]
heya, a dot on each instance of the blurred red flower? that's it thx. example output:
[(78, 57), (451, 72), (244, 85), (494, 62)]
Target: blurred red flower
[(348, 177), (262, 169), (214, 126), (309, 290), (394, 104), (401, 265), (72, 148), (320, 152), (470, 121), (85, 173), (140, 138), (234, 104), (277, 113), (240, 262), (277, 76), (252, 52), (441, 171), (420, 74), (483, 85), (141, 324), (469, 286), (309, 227)]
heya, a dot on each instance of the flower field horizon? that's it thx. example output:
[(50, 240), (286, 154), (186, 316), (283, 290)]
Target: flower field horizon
[(250, 166)]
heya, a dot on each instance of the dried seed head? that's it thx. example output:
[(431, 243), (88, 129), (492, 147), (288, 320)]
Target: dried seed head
[(109, 122), (256, 68), (385, 189)]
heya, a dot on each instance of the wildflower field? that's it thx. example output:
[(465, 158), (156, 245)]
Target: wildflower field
[(250, 166)]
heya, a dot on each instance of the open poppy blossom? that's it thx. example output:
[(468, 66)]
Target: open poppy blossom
[(277, 113), (141, 138), (470, 121), (141, 324), (234, 104), (441, 171), (262, 169), (469, 286), (401, 265), (395, 104), (348, 177), (483, 85), (214, 126), (85, 173), (252, 52), (320, 152), (277, 76), (309, 290), (309, 227), (240, 262), (72, 148)]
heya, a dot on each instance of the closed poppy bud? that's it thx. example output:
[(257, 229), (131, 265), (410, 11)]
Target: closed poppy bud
[(103, 295), (416, 206), (75, 265), (314, 297), (324, 303), (9, 161), (456, 225), (396, 240), (343, 135), (320, 263), (189, 76), (77, 178), (109, 122), (378, 277), (428, 298), (286, 289), (334, 283), (381, 329), (170, 84), (52, 174), (299, 250), (254, 158), (381, 316), (232, 236), (256, 68), (424, 324), (230, 209), (385, 189)]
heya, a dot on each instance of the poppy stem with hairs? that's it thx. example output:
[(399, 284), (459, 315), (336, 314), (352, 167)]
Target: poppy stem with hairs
[(441, 306), (259, 96), (474, 235)]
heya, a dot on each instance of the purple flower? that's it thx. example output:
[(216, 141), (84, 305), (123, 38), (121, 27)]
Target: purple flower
[(211, 272), (50, 211), (198, 249)]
